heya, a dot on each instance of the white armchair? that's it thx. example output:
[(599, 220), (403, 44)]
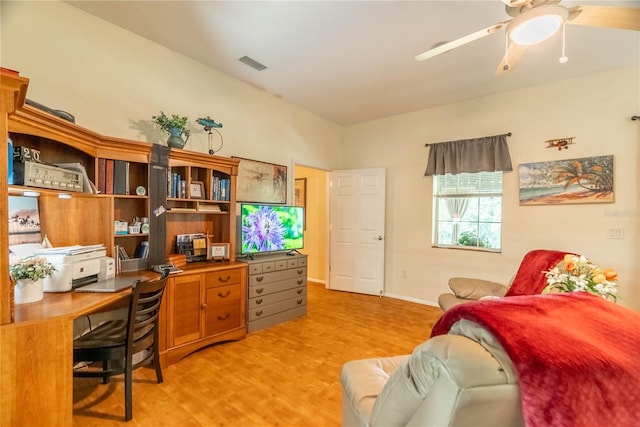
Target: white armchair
[(449, 380)]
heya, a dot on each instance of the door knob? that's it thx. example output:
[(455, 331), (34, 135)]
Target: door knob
[(378, 238)]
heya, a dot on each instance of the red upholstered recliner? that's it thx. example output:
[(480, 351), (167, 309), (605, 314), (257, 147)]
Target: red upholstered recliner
[(529, 280)]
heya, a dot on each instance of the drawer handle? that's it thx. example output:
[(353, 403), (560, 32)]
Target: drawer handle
[(259, 279), (259, 301), (258, 313), (225, 317), (299, 301), (259, 290), (300, 282), (300, 271), (299, 291), (220, 279), (204, 306), (225, 295)]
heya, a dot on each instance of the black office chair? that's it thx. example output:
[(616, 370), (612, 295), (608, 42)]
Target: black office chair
[(115, 342)]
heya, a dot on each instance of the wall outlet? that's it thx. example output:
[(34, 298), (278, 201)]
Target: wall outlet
[(615, 233)]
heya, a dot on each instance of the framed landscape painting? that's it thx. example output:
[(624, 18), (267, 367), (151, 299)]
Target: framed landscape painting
[(24, 220), (585, 180)]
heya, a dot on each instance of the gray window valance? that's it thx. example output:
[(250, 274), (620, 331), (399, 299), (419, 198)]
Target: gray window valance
[(486, 154)]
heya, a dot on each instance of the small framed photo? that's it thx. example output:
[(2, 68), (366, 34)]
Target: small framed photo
[(196, 190), (218, 251)]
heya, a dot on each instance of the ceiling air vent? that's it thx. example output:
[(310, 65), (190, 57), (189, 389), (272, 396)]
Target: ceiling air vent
[(252, 63)]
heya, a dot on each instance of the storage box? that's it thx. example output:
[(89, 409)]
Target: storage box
[(121, 227), (134, 264)]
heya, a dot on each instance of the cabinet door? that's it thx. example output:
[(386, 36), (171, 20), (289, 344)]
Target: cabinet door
[(185, 309)]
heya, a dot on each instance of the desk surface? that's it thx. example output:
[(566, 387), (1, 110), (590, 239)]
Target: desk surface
[(65, 304), (68, 305)]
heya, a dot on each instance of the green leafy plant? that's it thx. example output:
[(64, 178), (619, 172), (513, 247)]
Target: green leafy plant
[(33, 268), (469, 238), (167, 123)]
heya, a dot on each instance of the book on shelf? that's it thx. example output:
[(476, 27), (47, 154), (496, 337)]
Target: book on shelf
[(122, 252), (102, 175), (142, 251), (120, 178), (176, 186), (220, 188), (109, 176)]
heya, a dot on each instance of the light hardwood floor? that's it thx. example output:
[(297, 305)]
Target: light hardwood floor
[(286, 375)]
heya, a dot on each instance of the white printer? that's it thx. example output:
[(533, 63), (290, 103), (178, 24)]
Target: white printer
[(77, 267)]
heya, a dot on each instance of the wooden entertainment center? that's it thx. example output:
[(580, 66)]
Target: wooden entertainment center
[(203, 305)]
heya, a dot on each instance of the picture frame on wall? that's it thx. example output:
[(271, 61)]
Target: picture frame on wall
[(571, 181), (300, 196), (261, 182)]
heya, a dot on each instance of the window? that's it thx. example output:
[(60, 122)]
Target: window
[(468, 210)]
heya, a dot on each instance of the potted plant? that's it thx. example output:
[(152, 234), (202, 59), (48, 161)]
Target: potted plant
[(29, 274), (175, 126)]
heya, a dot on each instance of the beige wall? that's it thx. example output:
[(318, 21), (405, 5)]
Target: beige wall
[(114, 81), (316, 233), (594, 109)]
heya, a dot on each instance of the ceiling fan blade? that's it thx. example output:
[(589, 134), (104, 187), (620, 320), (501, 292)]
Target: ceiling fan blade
[(514, 53), (459, 42), (623, 18)]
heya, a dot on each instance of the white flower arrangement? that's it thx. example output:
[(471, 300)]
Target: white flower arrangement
[(578, 274)]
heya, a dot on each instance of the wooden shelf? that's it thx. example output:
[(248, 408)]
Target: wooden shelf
[(41, 393)]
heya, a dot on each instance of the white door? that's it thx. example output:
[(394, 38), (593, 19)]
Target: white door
[(357, 231)]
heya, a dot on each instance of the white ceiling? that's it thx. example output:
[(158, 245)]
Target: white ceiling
[(353, 61)]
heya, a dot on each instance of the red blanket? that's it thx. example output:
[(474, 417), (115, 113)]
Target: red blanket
[(530, 278), (577, 356)]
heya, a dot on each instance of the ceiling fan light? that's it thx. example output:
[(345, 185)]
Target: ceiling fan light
[(536, 25)]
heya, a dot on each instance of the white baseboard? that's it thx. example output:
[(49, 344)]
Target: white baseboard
[(396, 296), (411, 299)]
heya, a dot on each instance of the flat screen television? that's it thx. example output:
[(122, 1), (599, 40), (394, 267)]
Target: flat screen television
[(270, 228)]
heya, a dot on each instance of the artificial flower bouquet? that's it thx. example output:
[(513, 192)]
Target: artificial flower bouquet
[(577, 273)]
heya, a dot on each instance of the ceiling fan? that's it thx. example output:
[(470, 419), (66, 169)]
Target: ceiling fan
[(534, 21)]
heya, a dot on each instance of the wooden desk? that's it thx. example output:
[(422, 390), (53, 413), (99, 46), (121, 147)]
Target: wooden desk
[(36, 357)]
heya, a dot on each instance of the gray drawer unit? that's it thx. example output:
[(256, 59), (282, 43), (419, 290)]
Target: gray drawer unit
[(276, 289)]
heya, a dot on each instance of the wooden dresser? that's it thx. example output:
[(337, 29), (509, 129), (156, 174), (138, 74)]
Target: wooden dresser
[(276, 289)]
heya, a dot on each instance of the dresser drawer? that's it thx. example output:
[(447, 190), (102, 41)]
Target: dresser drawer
[(255, 268), (264, 278), (288, 304), (262, 301), (223, 277), (270, 288), (223, 318), (223, 294)]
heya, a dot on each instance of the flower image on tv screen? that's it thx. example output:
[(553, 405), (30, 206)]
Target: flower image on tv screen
[(270, 228)]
